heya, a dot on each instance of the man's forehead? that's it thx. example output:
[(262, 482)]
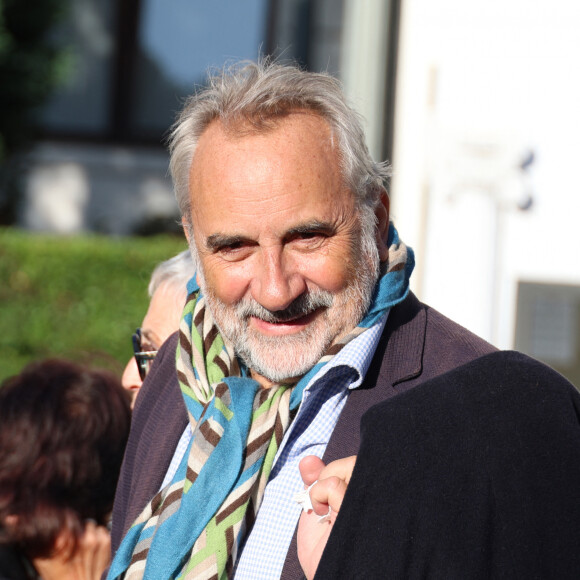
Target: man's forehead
[(300, 138), (236, 130)]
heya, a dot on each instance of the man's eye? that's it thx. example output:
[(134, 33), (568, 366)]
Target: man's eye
[(231, 247), (310, 237), (234, 251)]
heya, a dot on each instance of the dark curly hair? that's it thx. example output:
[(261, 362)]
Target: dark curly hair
[(63, 431)]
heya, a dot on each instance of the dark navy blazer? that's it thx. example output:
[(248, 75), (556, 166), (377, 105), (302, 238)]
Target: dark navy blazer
[(472, 475)]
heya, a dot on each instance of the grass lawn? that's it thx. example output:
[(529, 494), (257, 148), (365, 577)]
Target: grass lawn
[(77, 297)]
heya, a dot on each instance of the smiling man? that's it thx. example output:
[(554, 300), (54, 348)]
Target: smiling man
[(283, 288), (299, 320)]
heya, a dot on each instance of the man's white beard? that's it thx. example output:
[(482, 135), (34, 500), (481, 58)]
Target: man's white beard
[(279, 358)]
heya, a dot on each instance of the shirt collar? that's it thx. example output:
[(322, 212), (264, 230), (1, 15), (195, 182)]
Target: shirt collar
[(356, 355)]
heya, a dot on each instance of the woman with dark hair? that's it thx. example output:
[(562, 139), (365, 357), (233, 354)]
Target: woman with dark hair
[(63, 430)]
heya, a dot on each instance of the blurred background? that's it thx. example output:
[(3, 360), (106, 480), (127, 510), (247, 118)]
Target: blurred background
[(476, 104)]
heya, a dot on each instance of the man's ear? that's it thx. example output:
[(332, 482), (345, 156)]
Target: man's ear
[(186, 230), (382, 213)]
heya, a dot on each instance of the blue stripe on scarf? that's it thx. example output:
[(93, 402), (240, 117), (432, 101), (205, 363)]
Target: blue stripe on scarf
[(208, 492)]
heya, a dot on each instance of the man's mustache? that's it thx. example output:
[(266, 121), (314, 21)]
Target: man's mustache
[(303, 305)]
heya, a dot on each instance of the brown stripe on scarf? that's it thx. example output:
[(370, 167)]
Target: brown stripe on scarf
[(231, 508), (185, 344), (156, 501), (230, 543), (222, 365), (250, 516), (191, 475), (209, 434), (198, 320), (334, 349), (181, 377), (174, 496), (397, 267), (261, 398), (209, 338), (139, 556), (256, 443), (279, 432), (221, 391)]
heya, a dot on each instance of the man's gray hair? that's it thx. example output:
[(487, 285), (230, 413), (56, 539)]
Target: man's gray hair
[(176, 271), (255, 95)]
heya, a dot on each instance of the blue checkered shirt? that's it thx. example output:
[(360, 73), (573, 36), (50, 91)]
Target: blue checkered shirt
[(264, 552)]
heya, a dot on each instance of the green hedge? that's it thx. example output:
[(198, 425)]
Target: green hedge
[(77, 297)]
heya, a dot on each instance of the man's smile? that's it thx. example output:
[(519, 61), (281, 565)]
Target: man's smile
[(282, 327)]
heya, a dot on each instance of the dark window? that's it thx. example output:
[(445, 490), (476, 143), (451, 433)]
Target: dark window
[(88, 37), (548, 326), (131, 63)]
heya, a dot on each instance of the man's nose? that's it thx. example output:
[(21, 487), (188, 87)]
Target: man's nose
[(277, 283)]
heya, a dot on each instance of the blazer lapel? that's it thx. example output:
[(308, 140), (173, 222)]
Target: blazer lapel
[(398, 359)]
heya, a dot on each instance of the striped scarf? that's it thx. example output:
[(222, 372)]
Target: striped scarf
[(192, 528)]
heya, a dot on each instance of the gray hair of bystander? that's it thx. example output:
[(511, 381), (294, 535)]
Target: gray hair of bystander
[(176, 271)]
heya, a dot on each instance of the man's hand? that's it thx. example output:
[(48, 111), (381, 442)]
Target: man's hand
[(88, 561), (329, 490)]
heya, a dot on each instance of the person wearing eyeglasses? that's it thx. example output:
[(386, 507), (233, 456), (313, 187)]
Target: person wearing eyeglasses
[(167, 289)]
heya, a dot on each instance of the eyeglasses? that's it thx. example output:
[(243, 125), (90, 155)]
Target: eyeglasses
[(143, 358)]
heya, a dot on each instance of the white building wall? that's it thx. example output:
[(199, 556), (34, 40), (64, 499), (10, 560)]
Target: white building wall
[(73, 188), (480, 84)]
